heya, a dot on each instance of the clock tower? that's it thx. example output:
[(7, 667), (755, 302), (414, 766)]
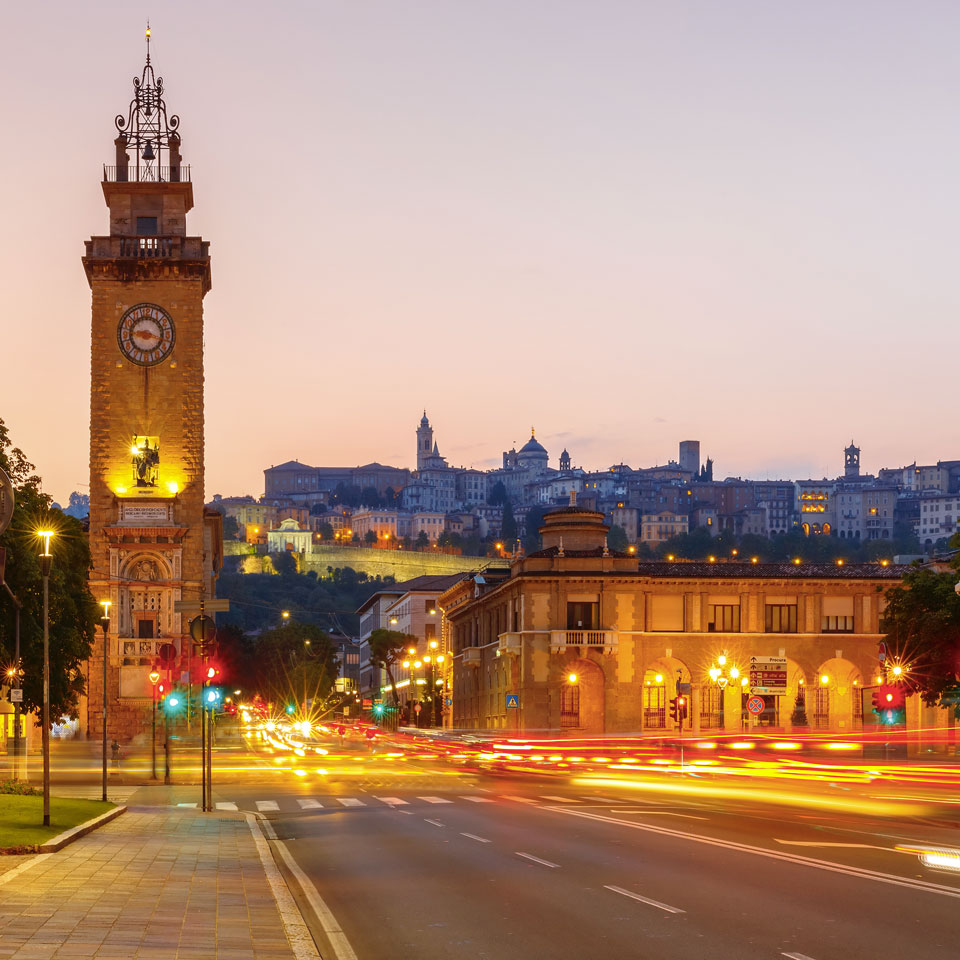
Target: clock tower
[(150, 541)]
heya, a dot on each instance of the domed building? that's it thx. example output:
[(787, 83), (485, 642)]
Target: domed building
[(533, 454)]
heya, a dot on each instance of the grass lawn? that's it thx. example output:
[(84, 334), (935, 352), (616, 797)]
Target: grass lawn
[(21, 818)]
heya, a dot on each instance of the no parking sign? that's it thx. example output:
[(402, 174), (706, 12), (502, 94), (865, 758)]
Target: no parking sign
[(755, 705)]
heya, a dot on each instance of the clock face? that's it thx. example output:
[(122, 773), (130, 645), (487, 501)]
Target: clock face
[(146, 334)]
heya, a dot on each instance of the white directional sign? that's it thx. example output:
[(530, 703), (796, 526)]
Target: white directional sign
[(193, 606), (768, 676)]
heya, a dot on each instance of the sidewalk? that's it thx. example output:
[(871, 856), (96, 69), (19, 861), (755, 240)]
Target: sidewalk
[(158, 883)]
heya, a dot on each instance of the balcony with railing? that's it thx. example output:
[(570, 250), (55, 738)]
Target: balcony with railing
[(607, 640), (148, 248), (146, 173)]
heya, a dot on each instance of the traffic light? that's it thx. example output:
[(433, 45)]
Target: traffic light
[(378, 710), (290, 709), (172, 703), (675, 708), (889, 702), (682, 708)]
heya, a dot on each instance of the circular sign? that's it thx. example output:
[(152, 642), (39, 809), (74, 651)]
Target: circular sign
[(6, 501), (167, 652), (417, 708), (146, 334), (203, 629), (755, 705)]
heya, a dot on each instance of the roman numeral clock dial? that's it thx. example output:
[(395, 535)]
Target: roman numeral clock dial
[(146, 334)]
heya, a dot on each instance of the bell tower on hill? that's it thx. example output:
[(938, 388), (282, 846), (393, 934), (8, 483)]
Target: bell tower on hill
[(150, 540)]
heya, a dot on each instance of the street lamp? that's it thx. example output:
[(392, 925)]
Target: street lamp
[(105, 623), (154, 678), (46, 561)]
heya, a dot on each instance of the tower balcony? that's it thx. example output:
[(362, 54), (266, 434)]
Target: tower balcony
[(130, 173), (148, 248)]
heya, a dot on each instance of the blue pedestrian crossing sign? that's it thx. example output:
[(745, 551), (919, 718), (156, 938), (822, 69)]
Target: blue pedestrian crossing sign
[(513, 701)]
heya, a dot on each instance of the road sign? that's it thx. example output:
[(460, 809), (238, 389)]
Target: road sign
[(449, 701), (513, 701), (755, 705), (167, 652), (768, 676), (16, 695), (6, 501), (193, 606), (417, 708), (203, 629)]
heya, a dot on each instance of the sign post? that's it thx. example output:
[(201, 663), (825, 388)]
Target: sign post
[(768, 676)]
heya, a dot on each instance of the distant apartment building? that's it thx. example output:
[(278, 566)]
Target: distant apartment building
[(629, 520), (939, 519), (658, 527)]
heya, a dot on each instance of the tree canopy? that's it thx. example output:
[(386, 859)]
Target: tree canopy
[(73, 610)]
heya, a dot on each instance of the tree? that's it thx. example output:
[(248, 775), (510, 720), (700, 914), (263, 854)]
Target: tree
[(325, 530), (423, 541), (617, 539), (508, 528), (922, 621), (799, 716), (531, 529), (73, 610), (294, 659), (370, 497), (498, 494), (231, 529), (386, 650), (284, 563), (370, 538), (444, 539)]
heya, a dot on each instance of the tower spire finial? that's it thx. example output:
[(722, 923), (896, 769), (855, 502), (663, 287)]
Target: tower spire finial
[(148, 40)]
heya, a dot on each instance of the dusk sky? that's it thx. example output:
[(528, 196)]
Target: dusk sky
[(625, 223)]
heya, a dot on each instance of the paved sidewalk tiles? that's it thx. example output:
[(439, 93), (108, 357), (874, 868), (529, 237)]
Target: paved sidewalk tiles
[(163, 884)]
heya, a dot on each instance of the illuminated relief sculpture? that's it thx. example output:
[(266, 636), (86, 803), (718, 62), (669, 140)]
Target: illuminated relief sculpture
[(145, 452)]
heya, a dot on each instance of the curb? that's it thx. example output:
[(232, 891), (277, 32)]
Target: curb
[(81, 830)]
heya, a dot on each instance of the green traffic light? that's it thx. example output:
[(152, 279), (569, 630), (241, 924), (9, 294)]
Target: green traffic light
[(290, 708)]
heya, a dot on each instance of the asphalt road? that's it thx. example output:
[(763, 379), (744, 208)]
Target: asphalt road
[(497, 867)]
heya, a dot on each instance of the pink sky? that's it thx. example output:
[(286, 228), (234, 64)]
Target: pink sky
[(626, 223)]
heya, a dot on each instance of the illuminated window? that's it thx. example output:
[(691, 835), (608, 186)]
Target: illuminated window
[(780, 618), (570, 705)]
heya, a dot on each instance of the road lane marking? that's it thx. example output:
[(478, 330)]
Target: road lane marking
[(827, 843), (596, 799), (530, 856), (263, 805), (661, 813), (226, 805), (303, 946), (507, 796), (308, 804), (351, 802), (546, 796), (477, 799), (435, 799), (473, 836), (436, 823), (636, 896), (796, 956), (860, 872), (192, 805), (392, 801)]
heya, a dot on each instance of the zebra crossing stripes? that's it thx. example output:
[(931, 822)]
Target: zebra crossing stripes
[(393, 801), (478, 799), (435, 799), (351, 802), (267, 805), (227, 805), (308, 803), (290, 804)]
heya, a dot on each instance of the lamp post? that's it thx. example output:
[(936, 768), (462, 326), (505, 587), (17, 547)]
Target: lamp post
[(105, 623), (46, 561), (154, 678), (722, 674)]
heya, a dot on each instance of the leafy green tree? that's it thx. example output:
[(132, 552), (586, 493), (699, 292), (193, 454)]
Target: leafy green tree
[(370, 497), (231, 529), (285, 563), (423, 541), (326, 531), (508, 528), (444, 539), (73, 610), (386, 650), (498, 494), (922, 622), (295, 659), (617, 539), (370, 538)]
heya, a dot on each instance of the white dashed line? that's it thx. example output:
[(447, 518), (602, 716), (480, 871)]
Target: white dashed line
[(435, 799), (796, 956), (473, 836), (477, 799), (559, 799), (636, 896), (530, 856), (506, 796), (436, 823)]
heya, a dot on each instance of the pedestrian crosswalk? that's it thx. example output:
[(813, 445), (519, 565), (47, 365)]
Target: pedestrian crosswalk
[(333, 802)]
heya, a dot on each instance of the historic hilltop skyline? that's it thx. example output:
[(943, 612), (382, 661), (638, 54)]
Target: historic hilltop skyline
[(643, 224)]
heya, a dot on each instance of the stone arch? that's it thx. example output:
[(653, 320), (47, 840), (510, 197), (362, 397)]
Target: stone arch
[(657, 694), (145, 566), (582, 705), (837, 698)]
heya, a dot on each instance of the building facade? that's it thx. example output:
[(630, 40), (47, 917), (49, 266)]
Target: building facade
[(629, 631)]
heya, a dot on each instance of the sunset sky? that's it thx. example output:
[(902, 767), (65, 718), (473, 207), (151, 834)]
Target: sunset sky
[(624, 223)]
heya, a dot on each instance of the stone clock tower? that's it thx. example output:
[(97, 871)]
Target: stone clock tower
[(150, 541)]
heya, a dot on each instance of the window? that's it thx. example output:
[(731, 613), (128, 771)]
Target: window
[(654, 708), (837, 624), (429, 631), (821, 707), (711, 707), (146, 226), (724, 618), (583, 616), (666, 614), (781, 618), (570, 705)]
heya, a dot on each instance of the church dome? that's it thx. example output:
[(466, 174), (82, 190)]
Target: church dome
[(533, 447)]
